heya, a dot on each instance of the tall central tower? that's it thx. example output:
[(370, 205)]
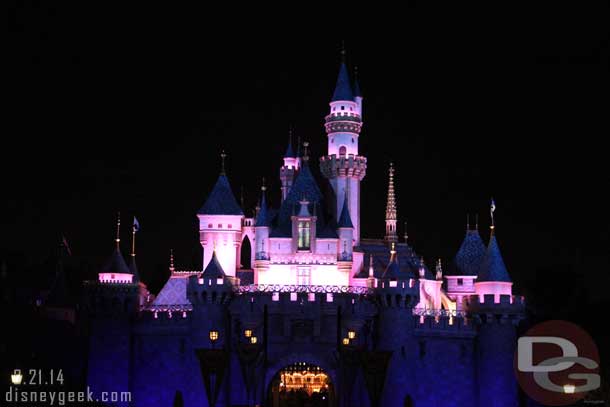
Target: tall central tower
[(343, 167)]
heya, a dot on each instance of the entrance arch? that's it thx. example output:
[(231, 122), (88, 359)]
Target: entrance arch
[(301, 384)]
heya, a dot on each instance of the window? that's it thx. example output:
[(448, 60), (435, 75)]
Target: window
[(342, 150), (220, 226), (460, 281), (210, 226), (303, 276), (230, 226), (342, 107), (304, 236)]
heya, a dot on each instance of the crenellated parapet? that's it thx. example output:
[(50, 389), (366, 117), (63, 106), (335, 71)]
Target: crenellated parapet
[(491, 308), (342, 121), (333, 166), (110, 298)]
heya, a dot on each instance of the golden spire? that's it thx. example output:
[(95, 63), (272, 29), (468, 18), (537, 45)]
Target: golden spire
[(305, 156), (118, 230), (133, 239), (390, 210), (171, 261)]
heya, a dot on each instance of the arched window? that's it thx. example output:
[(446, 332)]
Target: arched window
[(342, 150)]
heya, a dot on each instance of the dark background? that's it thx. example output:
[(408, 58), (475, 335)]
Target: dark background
[(127, 108)]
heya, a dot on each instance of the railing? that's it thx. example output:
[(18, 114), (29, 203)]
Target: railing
[(422, 312), (277, 288)]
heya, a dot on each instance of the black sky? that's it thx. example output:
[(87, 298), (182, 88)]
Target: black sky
[(126, 108)]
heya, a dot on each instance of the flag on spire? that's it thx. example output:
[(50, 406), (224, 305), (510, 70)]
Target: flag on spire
[(492, 210), (136, 224)]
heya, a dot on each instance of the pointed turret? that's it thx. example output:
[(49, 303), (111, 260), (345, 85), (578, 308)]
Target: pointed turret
[(468, 259), (221, 200), (343, 88), (214, 269), (262, 217), (289, 170), (392, 271), (493, 267), (390, 210), (345, 220)]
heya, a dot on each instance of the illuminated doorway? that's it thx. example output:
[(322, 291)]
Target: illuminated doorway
[(301, 385)]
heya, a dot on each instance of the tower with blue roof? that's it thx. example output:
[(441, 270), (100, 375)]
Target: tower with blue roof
[(343, 166)]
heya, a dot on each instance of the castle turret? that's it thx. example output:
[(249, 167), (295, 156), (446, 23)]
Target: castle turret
[(398, 293), (493, 278), (261, 228), (303, 228), (112, 302), (289, 169), (390, 211), (343, 166), (465, 267), (220, 224)]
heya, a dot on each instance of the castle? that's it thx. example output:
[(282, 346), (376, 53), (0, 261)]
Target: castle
[(321, 313)]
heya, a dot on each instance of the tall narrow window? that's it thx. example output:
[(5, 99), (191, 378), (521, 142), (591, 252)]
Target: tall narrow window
[(304, 236)]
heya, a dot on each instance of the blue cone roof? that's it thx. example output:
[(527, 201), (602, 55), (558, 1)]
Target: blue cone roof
[(116, 264), (493, 268), (343, 89), (469, 258), (263, 218), (214, 269), (289, 151), (345, 221), (133, 268), (221, 200)]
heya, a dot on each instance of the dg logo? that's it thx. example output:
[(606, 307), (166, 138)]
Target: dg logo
[(557, 363)]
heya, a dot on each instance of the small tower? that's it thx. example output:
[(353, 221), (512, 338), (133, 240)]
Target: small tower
[(390, 210), (220, 224), (493, 277), (290, 168), (346, 232), (261, 228), (343, 166), (465, 267)]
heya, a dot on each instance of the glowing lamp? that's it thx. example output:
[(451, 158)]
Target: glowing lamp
[(248, 333), (253, 340), (351, 334), (16, 377), (569, 388), (346, 341), (213, 336)]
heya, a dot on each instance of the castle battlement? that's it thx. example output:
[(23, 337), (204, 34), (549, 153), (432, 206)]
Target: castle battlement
[(444, 325)]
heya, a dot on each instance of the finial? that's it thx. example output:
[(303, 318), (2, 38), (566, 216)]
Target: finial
[(393, 250), (223, 155), (476, 222), (406, 233), (492, 210), (134, 228), (467, 222), (439, 270), (171, 260), (118, 229), (305, 145), (298, 146), (263, 187), (343, 53)]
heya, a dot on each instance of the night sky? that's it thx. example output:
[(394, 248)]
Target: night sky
[(128, 108)]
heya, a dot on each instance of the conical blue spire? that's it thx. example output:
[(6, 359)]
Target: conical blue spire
[(214, 269), (493, 268), (262, 219), (469, 258), (343, 90), (289, 151), (116, 264), (345, 220), (221, 200)]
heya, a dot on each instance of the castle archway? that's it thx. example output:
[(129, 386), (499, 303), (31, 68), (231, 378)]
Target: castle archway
[(301, 384)]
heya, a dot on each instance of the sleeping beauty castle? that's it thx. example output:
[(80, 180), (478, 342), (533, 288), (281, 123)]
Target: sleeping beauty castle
[(313, 313)]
